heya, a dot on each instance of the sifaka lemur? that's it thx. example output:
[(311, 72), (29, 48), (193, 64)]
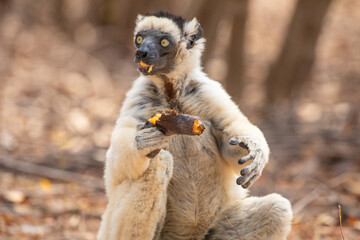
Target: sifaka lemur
[(195, 187)]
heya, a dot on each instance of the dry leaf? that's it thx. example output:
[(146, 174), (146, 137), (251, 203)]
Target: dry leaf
[(14, 196), (45, 184)]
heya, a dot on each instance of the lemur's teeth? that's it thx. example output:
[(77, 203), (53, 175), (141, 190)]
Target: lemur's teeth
[(150, 68)]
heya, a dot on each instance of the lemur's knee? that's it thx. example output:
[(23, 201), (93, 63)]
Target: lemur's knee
[(277, 210), (255, 218), (166, 159), (280, 207)]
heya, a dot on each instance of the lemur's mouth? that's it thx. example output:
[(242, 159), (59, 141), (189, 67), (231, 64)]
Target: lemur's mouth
[(145, 67)]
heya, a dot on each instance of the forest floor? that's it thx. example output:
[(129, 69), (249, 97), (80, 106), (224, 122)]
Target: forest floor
[(38, 207)]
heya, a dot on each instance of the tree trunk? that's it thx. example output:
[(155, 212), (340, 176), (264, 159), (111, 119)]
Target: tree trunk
[(293, 67), (236, 50), (5, 65), (209, 16)]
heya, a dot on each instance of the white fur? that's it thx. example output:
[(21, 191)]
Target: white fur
[(133, 213), (117, 169), (162, 24)]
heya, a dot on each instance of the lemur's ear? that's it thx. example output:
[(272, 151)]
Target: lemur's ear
[(192, 32), (139, 18)]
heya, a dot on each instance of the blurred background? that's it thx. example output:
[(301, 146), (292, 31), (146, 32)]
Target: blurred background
[(293, 67)]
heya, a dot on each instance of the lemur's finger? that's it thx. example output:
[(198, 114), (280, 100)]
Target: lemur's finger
[(150, 131), (153, 153), (240, 180), (151, 142), (247, 170), (140, 126), (150, 138), (238, 141), (251, 181), (154, 148), (234, 141), (247, 158), (255, 164), (244, 179)]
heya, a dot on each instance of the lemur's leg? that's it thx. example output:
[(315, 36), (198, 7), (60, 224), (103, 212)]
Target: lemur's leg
[(138, 211), (254, 218)]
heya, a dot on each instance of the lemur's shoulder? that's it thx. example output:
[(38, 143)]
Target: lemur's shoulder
[(141, 98), (206, 85)]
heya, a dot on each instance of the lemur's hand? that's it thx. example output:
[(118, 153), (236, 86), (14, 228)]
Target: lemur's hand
[(252, 172), (150, 141)]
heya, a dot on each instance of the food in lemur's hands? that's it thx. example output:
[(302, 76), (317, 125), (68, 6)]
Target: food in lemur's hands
[(176, 123)]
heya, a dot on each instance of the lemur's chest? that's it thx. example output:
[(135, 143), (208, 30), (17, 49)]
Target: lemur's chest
[(182, 97), (196, 164), (193, 193), (192, 153)]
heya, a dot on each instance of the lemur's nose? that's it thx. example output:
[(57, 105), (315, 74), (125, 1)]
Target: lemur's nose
[(141, 53)]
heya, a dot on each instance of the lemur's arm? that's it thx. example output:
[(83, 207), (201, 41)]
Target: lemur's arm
[(126, 157), (240, 142)]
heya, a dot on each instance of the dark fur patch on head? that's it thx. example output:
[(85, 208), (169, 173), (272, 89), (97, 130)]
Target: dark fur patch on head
[(179, 21)]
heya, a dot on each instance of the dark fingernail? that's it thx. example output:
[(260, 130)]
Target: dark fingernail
[(239, 180), (242, 160), (234, 141), (148, 125), (245, 171), (153, 153)]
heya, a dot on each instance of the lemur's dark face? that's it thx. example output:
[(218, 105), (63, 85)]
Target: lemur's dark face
[(167, 44), (156, 52)]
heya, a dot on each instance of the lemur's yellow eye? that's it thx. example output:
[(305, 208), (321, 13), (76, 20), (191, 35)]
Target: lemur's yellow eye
[(164, 42), (139, 39)]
